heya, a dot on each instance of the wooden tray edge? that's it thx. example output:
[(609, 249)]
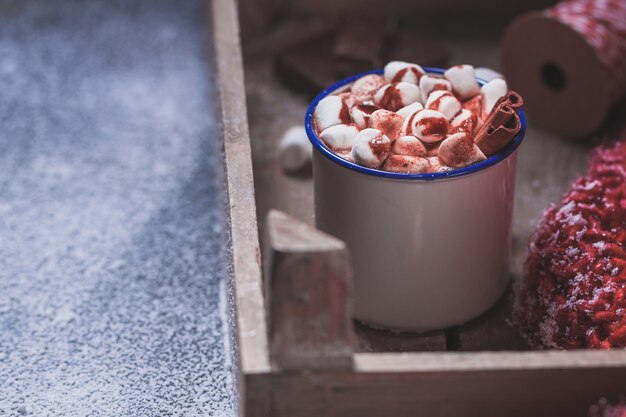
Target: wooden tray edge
[(246, 258)]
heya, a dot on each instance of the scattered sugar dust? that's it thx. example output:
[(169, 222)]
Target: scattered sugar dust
[(113, 279)]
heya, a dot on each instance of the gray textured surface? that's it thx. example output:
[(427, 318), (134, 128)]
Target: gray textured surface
[(113, 258)]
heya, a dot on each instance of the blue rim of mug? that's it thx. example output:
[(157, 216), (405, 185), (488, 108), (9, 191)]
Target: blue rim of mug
[(324, 150)]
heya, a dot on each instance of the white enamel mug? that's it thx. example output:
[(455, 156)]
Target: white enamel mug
[(429, 251)]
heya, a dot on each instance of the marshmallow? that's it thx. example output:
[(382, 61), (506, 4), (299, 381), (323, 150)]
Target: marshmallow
[(408, 111), (432, 149), (370, 148), (490, 93), (331, 111), (294, 150), (487, 74), (406, 164), (465, 121), (445, 102), (406, 125), (459, 150), (349, 99), (429, 125), (463, 81), (397, 95), (436, 165), (345, 154), (397, 71), (339, 136), (365, 87), (361, 114), (409, 145), (403, 121), (428, 84), (388, 122), (475, 105)]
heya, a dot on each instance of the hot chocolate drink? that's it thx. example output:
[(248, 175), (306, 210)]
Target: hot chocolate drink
[(408, 121)]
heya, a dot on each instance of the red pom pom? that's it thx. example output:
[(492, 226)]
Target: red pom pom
[(574, 293)]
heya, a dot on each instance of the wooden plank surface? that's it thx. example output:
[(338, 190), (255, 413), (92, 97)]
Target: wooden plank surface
[(491, 331), (521, 392), (309, 293), (375, 340), (249, 304), (490, 361), (404, 7)]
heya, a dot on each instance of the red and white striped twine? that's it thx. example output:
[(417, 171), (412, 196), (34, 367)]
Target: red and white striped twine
[(603, 24)]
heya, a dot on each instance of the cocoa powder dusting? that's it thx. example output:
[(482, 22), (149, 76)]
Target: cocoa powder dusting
[(459, 152), (344, 113), (367, 108), (391, 99), (409, 125), (437, 103), (474, 104), (400, 74), (406, 164), (435, 126), (390, 124), (468, 125), (432, 149), (380, 147), (439, 86)]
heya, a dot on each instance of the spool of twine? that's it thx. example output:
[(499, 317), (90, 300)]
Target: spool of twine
[(569, 63)]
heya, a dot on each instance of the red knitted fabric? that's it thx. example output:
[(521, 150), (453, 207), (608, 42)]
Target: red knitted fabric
[(574, 292), (604, 409)]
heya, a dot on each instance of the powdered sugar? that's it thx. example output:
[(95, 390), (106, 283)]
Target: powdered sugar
[(599, 245)]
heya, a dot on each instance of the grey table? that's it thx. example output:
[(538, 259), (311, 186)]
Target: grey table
[(113, 241)]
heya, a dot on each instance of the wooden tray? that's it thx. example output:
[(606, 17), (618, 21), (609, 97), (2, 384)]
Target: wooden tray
[(298, 357)]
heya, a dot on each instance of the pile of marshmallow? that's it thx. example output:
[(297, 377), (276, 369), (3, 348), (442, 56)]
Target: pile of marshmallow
[(408, 121)]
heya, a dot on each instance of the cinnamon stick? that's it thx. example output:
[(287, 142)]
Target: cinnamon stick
[(501, 125)]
